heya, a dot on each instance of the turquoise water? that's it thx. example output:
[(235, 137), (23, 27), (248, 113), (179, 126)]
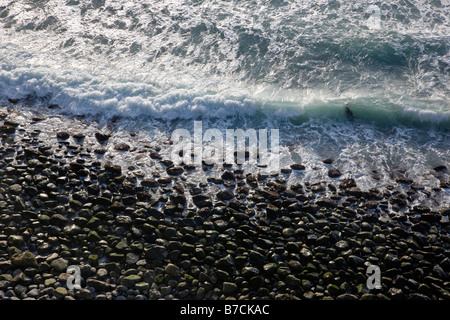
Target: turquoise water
[(364, 83)]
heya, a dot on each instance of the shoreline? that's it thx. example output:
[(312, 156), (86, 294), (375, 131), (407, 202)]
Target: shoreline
[(162, 235)]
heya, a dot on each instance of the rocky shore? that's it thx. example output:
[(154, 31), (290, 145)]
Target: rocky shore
[(162, 236)]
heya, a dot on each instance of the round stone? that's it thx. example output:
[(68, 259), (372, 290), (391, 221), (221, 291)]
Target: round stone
[(172, 270), (229, 288)]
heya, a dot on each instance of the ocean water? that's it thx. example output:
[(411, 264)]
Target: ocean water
[(366, 83)]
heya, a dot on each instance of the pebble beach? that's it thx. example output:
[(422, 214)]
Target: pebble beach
[(66, 198)]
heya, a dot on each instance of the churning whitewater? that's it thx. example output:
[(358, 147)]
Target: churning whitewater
[(366, 84)]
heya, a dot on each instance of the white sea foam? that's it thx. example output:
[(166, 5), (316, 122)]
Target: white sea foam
[(292, 65)]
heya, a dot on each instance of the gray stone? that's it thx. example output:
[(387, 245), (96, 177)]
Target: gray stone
[(60, 292), (156, 252), (20, 289), (379, 238), (131, 280), (165, 290), (60, 264), (439, 272), (98, 285), (355, 261), (33, 293), (229, 288), (142, 286), (132, 258), (15, 189), (293, 281), (270, 268), (16, 241), (83, 294), (172, 270), (342, 245), (26, 259), (249, 272)]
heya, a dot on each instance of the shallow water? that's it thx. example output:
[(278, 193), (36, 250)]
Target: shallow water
[(289, 65)]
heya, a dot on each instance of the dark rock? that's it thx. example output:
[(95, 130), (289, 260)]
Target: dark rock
[(116, 170), (149, 183), (122, 147), (293, 281), (431, 217), (272, 211), (98, 285), (220, 224), (229, 288), (7, 129), (334, 173), (403, 180), (155, 156), (421, 226), (249, 272), (347, 183), (100, 151), (326, 203), (102, 137), (10, 123), (225, 262), (342, 245), (156, 252), (311, 208), (327, 161), (354, 191), (355, 261), (256, 258), (251, 180), (15, 189), (164, 181), (76, 167), (390, 260), (104, 201), (400, 231), (418, 297), (400, 281), (225, 194), (297, 166), (317, 187), (228, 175), (79, 136), (178, 199), (440, 168), (201, 201), (63, 135), (24, 260), (175, 171), (439, 272)]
